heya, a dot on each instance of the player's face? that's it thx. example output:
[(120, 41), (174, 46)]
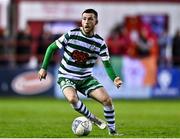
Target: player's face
[(88, 23)]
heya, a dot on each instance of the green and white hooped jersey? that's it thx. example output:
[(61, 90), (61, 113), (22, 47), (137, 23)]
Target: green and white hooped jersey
[(80, 54)]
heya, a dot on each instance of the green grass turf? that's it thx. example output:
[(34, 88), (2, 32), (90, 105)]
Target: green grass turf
[(52, 118)]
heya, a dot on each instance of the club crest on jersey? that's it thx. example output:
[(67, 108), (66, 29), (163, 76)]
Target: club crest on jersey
[(92, 48), (80, 57)]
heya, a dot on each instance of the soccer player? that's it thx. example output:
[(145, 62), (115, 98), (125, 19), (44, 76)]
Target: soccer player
[(81, 50)]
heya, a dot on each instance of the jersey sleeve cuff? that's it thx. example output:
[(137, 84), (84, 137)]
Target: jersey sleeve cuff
[(58, 44), (105, 58)]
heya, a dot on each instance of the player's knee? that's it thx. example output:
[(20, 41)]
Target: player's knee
[(72, 99), (107, 101)]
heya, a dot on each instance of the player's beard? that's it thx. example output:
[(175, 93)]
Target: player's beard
[(88, 30)]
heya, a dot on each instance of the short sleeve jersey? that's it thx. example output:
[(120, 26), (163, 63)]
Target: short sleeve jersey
[(80, 54)]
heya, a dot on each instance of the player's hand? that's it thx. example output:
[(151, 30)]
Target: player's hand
[(42, 74), (118, 82)]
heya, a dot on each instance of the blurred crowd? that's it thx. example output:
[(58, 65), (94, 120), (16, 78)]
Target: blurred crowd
[(137, 42), (141, 42), (23, 49)]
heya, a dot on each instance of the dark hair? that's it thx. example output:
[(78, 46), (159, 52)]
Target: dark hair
[(91, 11)]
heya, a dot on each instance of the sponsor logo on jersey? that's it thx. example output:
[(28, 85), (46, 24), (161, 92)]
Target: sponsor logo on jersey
[(80, 57)]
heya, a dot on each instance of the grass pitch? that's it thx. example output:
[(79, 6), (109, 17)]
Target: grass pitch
[(52, 118)]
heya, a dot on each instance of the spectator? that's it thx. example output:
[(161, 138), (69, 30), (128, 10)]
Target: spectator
[(164, 43), (3, 53), (144, 43), (44, 40), (23, 47), (176, 49), (118, 41)]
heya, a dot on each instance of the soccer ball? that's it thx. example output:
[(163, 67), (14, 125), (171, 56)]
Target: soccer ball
[(81, 126)]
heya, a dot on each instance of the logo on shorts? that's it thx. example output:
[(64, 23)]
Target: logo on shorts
[(63, 83)]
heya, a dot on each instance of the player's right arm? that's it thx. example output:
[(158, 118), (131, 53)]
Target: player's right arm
[(49, 52), (58, 44)]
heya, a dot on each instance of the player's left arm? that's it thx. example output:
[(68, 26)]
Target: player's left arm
[(104, 54), (109, 69)]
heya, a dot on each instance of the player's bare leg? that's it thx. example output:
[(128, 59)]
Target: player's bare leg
[(102, 96), (71, 95)]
